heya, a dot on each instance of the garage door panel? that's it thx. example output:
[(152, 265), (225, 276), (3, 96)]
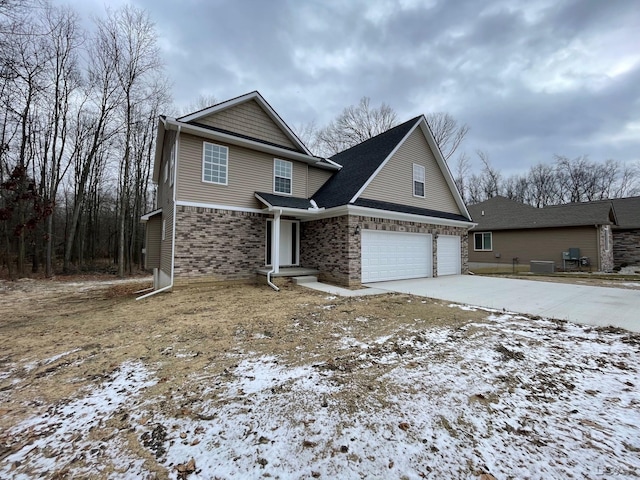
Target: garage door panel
[(395, 255), (448, 255)]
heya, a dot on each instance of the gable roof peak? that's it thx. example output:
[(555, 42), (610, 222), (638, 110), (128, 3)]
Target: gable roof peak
[(247, 97)]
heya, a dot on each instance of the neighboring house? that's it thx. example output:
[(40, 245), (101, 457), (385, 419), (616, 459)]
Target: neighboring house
[(507, 230), (626, 233), (238, 193)]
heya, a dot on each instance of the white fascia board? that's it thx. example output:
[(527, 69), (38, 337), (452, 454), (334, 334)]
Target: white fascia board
[(255, 95), (216, 206), (444, 168), (389, 215), (147, 216), (370, 179), (243, 142), (157, 159)]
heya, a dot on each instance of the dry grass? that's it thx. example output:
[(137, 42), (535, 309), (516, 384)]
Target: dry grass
[(101, 326)]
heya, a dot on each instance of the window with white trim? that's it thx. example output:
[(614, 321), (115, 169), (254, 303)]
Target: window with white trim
[(215, 159), (418, 180), (172, 163), (482, 242), (282, 175)]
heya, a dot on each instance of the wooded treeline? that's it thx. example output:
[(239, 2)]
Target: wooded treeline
[(79, 114), (565, 180)]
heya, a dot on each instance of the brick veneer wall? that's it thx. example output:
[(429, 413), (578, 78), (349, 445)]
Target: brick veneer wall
[(329, 245), (626, 247), (221, 244), (332, 246)]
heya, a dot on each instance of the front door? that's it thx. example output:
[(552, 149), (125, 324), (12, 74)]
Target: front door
[(289, 243)]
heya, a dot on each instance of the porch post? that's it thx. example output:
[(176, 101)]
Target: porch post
[(275, 242)]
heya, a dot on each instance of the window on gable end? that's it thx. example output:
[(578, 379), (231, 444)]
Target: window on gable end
[(215, 160), (418, 180), (282, 176)]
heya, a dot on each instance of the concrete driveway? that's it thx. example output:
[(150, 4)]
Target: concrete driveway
[(601, 306)]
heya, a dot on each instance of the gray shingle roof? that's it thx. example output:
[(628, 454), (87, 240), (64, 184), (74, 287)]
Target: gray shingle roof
[(499, 213), (358, 164), (627, 211), (284, 201), (396, 207)]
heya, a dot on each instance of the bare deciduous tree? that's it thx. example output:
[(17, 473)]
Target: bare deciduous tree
[(354, 125), (446, 131)]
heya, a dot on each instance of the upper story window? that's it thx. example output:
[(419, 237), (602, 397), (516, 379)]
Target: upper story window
[(418, 180), (215, 163), (282, 174), (482, 241)]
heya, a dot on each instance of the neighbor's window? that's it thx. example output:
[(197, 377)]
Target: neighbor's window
[(482, 241), (418, 180), (282, 171), (214, 163)]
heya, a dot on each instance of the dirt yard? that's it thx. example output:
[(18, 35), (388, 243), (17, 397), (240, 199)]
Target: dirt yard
[(239, 381)]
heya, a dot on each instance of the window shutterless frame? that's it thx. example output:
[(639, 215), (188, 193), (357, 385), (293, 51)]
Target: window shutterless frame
[(215, 163), (282, 176), (418, 180), (483, 242)]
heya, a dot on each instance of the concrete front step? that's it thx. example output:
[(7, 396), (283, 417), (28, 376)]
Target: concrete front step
[(304, 279)]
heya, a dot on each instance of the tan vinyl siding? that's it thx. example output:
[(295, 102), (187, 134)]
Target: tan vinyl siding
[(165, 190), (317, 178), (248, 172), (394, 183), (248, 119), (538, 244), (152, 242), (167, 243)]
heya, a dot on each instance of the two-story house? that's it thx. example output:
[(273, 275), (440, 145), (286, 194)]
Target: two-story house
[(239, 193)]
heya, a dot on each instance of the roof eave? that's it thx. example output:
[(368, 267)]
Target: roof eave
[(172, 123)]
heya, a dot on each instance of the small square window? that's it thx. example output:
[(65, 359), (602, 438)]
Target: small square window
[(482, 241), (214, 163), (282, 176), (418, 180)]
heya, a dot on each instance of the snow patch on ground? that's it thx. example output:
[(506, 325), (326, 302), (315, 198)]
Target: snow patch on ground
[(510, 396), (54, 440)]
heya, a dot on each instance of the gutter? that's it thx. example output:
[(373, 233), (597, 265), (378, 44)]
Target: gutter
[(173, 240)]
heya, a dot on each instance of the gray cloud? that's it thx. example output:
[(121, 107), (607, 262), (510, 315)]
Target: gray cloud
[(530, 79)]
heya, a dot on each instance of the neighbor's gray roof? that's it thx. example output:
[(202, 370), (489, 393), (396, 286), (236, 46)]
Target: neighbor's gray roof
[(500, 213), (627, 211)]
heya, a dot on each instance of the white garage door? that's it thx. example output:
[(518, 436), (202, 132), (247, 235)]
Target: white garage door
[(448, 255), (395, 255)]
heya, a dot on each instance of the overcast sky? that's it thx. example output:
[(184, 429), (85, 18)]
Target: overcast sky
[(531, 79)]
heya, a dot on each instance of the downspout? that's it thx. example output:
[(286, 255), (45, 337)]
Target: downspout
[(173, 239), (275, 248)]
